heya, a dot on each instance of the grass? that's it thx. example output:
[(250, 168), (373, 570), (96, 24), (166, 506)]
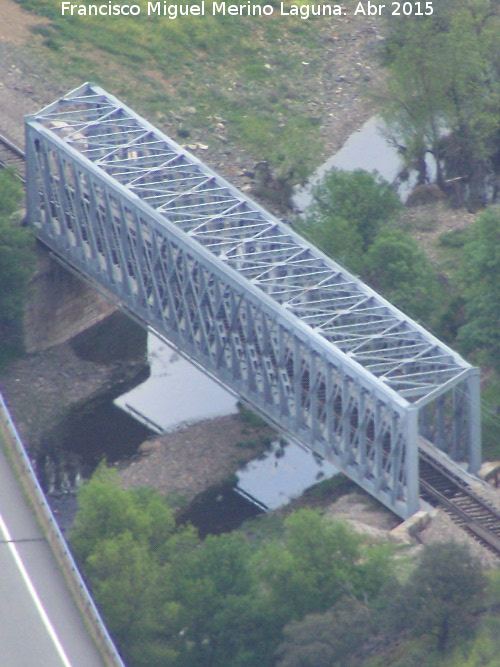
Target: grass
[(221, 66), (490, 417), (329, 490)]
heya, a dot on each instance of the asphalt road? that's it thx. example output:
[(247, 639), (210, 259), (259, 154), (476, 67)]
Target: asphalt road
[(40, 625)]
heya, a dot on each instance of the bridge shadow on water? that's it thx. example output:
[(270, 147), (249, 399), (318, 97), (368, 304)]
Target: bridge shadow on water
[(96, 429)]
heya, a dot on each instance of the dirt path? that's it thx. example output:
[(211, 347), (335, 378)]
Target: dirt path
[(16, 23), (25, 83)]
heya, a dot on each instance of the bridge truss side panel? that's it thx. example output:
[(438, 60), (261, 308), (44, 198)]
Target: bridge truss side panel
[(298, 381)]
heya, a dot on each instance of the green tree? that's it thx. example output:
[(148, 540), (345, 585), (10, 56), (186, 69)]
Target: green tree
[(320, 562), (11, 193), (397, 268), (443, 594), (123, 541), (346, 213), (224, 621), (323, 640), (16, 256), (171, 600), (481, 278), (352, 220), (442, 94), (131, 588), (107, 511)]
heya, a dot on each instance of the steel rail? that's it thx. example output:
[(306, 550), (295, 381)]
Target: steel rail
[(12, 156), (479, 517)]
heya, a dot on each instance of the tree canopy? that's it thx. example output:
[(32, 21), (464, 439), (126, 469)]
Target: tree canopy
[(397, 268), (16, 257), (170, 599), (16, 260), (323, 640), (311, 592), (481, 278), (443, 594), (442, 95), (353, 218), (347, 211)]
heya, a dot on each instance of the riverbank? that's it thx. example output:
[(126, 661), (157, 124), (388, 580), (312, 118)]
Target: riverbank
[(185, 462), (42, 389)]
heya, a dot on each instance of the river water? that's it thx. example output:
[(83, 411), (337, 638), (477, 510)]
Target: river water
[(369, 149), (178, 393), (175, 393)]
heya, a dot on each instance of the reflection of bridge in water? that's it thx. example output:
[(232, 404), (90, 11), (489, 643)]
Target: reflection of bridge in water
[(315, 351)]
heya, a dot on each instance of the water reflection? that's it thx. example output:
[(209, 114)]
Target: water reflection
[(282, 474), (176, 392), (368, 149), (219, 509), (267, 483)]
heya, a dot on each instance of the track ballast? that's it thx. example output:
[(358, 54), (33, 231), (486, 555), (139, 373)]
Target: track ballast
[(440, 487), (12, 156)]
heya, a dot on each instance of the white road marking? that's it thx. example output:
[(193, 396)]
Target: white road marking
[(34, 594)]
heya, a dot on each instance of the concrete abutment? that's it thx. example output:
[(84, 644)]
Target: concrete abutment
[(60, 305)]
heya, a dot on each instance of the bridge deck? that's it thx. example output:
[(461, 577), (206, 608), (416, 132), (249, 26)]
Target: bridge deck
[(40, 624)]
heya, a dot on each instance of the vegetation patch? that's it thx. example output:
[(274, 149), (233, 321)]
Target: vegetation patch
[(242, 90), (283, 591), (17, 264)]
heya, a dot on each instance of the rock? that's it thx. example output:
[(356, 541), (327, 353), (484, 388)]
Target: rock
[(149, 446), (407, 530), (490, 472), (425, 194)]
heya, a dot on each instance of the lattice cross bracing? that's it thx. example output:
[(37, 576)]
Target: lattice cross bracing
[(323, 356)]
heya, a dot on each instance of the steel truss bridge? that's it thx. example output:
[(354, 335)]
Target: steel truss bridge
[(320, 355)]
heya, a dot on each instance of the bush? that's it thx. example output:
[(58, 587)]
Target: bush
[(481, 277), (17, 261), (347, 212), (442, 596)]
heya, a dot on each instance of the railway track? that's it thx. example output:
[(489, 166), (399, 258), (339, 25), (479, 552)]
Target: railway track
[(12, 156), (474, 514)]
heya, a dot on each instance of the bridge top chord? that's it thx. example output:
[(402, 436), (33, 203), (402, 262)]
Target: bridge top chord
[(367, 329)]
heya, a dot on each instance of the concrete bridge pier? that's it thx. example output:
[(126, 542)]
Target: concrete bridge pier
[(60, 305)]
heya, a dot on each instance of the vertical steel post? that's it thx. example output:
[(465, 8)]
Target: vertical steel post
[(473, 388), (411, 461), (31, 189)]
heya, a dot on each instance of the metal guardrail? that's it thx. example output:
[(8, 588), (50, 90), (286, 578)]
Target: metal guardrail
[(57, 542)]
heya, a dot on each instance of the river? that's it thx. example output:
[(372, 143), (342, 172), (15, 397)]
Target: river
[(177, 393)]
